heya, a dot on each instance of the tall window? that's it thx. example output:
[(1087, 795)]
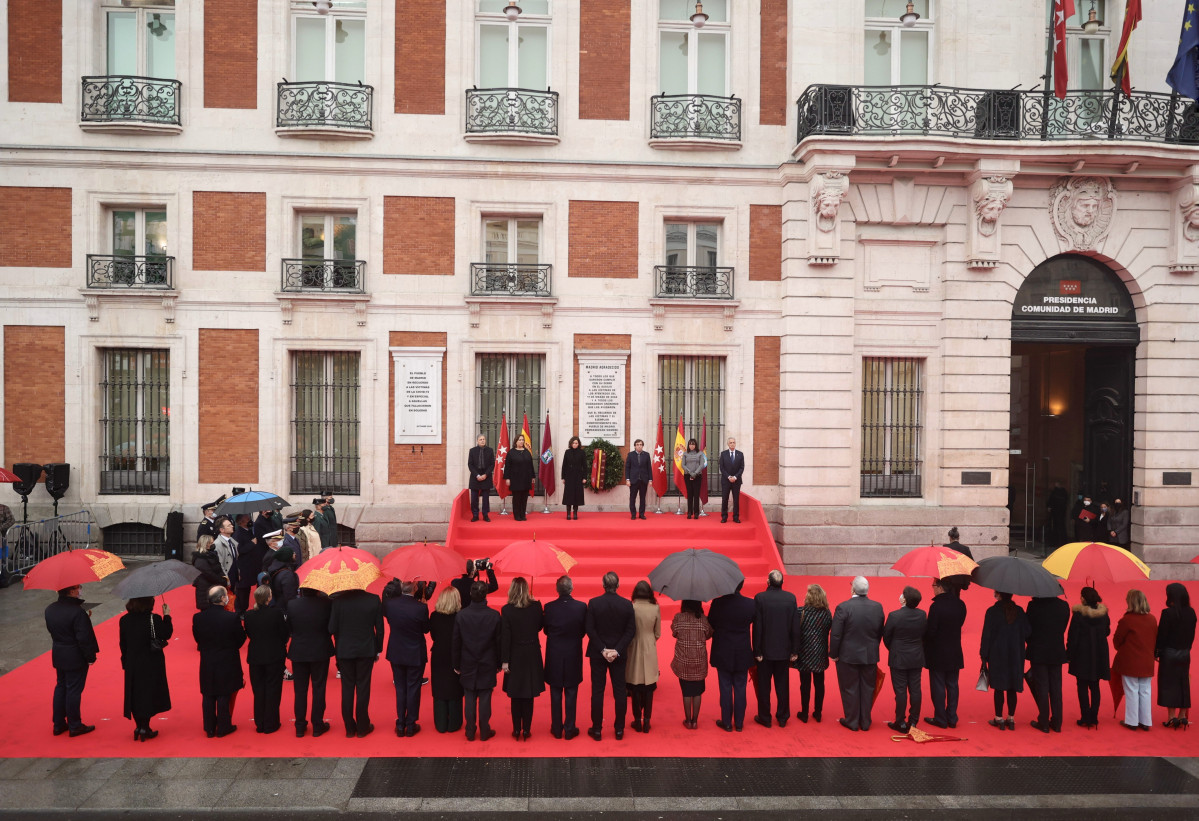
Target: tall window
[(513, 54), (892, 423), (139, 232), (140, 42), (692, 61), (895, 54), (135, 421), (513, 384), (1087, 66), (331, 47), (328, 246), (325, 423), (692, 257), (692, 387)]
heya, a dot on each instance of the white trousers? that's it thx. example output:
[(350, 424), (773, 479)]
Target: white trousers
[(1136, 701)]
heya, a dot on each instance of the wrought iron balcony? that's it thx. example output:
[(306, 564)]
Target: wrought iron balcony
[(693, 282), (504, 279), (347, 276), (996, 114), (695, 116), (139, 273), (511, 110), (324, 105), (124, 99)]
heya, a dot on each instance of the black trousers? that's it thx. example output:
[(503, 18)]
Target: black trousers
[(727, 489), (1047, 693), (316, 673), (522, 715), (601, 669), (218, 717), (857, 692), (806, 677), (520, 501), (356, 692), (407, 683), (778, 672), (560, 720), (637, 495), (693, 500), (1088, 700), (447, 715), (266, 682), (906, 684), (732, 695), (478, 705), (480, 500), (68, 697), (241, 599), (943, 687)]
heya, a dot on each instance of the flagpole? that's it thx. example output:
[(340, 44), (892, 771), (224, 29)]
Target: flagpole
[(1048, 72), (546, 496), (679, 512)]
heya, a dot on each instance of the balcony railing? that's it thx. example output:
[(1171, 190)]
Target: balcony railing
[(996, 114), (695, 116), (511, 110), (324, 105), (504, 279), (124, 99), (139, 273), (693, 282), (346, 276)]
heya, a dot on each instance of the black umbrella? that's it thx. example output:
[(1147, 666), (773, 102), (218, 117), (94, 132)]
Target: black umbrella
[(156, 579), (1020, 577), (696, 573), (253, 501)]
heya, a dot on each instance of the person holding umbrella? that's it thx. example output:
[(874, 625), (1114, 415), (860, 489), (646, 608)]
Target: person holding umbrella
[(310, 650), (691, 632), (143, 635), (1005, 631), (520, 655), (1048, 617), (356, 623), (74, 650), (731, 617)]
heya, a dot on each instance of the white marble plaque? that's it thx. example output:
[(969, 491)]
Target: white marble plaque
[(602, 397), (418, 395)]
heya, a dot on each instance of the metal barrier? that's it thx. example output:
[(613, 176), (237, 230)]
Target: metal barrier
[(31, 542)]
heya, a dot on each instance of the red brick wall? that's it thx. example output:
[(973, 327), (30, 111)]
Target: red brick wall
[(34, 51), (773, 63), (420, 58), (228, 231), (604, 342), (766, 242), (418, 235), (427, 465), (231, 53), (228, 411), (46, 214), (603, 239), (604, 31), (34, 394), (767, 396)]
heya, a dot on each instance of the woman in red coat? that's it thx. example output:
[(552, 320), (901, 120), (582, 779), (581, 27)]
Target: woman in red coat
[(1135, 640)]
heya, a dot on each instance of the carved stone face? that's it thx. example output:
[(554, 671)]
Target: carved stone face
[(990, 209), (1084, 208), (827, 203), (1191, 215)]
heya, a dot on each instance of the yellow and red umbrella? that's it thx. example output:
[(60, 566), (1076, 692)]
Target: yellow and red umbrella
[(337, 569), (936, 562), (72, 567), (1096, 560)]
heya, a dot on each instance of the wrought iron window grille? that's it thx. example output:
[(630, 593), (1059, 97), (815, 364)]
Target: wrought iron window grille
[(135, 423), (696, 116), (509, 279), (123, 98), (511, 386), (325, 422), (340, 275), (693, 281), (133, 272), (320, 104), (693, 387), (511, 110), (892, 427), (134, 539)]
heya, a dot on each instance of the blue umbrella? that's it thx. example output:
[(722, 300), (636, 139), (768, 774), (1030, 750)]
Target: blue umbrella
[(251, 501)]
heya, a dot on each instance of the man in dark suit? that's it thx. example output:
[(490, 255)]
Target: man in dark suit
[(310, 650), (1049, 617), (731, 618), (476, 658), (219, 636), (732, 466), (73, 649), (564, 624), (610, 628), (943, 652), (481, 464), (638, 473), (409, 622), (903, 634), (774, 616), (356, 623), (250, 555), (856, 633)]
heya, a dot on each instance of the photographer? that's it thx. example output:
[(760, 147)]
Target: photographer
[(473, 566)]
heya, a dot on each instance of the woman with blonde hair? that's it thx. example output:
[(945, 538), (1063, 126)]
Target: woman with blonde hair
[(641, 673), (310, 540), (520, 655), (813, 621), (444, 683), (1135, 641)]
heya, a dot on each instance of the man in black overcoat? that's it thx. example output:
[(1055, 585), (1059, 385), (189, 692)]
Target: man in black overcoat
[(356, 623), (774, 617), (310, 650), (853, 642), (251, 553), (565, 624), (610, 628), (406, 650), (903, 634), (476, 657), (731, 617), (638, 474), (481, 464), (1046, 652), (463, 583), (943, 652), (73, 649), (219, 636)]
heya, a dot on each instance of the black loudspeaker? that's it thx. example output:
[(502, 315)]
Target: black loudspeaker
[(58, 479), (29, 474), (174, 535)]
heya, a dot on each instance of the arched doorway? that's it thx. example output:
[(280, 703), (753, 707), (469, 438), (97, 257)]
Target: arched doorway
[(1074, 338)]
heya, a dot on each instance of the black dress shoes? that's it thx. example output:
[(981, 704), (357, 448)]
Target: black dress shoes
[(486, 518), (765, 722), (570, 732), (60, 730), (556, 733), (1036, 725), (486, 734), (412, 730), (364, 732), (845, 723), (782, 721), (619, 733), (726, 727), (736, 521), (802, 716), (319, 730), (940, 725), (82, 729), (898, 726), (594, 733), (474, 518)]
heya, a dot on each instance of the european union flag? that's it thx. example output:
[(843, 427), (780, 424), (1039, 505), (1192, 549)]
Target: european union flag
[(1184, 75)]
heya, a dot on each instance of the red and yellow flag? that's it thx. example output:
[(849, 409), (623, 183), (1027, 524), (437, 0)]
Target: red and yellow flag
[(680, 447), (1132, 16), (524, 431)]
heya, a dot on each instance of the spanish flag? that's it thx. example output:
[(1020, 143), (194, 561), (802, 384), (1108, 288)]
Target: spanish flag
[(680, 447), (524, 431), (1132, 16)]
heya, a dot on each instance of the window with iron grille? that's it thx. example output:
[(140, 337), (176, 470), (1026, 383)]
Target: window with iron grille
[(135, 428), (512, 384), (134, 539), (892, 424), (325, 422), (692, 387)]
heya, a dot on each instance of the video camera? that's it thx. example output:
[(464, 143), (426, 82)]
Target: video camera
[(482, 564), (423, 591)]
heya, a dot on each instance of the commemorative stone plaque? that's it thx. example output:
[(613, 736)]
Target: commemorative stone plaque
[(602, 397), (417, 395)]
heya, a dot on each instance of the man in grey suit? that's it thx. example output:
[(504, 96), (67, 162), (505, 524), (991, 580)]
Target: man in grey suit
[(853, 642)]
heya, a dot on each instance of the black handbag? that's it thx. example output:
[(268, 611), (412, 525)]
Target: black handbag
[(155, 643), (1173, 655)]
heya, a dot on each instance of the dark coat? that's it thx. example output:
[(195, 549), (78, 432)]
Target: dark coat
[(476, 647), (219, 636), (731, 464), (610, 625), (1048, 618), (480, 460), (356, 623), (731, 617), (774, 620), (1176, 629), (206, 528), (408, 621), (308, 617), (565, 625), (943, 635), (1135, 639), (266, 524), (903, 635), (520, 649), (267, 629), (812, 626), (960, 548), (518, 470), (325, 525), (443, 680), (146, 690), (250, 556), (74, 641), (856, 632), (462, 584), (1086, 643), (574, 476), (209, 565), (1002, 648), (638, 467), (285, 584)]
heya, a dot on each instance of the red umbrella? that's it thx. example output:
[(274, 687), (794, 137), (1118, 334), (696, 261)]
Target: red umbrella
[(533, 558), (72, 567), (423, 561), (337, 569), (936, 562), (7, 476)]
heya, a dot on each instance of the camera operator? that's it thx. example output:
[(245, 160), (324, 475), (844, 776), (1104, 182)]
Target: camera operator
[(473, 566)]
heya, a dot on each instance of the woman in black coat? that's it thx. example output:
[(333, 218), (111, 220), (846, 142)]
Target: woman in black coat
[(211, 574), (519, 472), (520, 655), (1005, 631), (446, 688), (1088, 654), (1175, 635), (268, 631), (574, 476), (145, 666)]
